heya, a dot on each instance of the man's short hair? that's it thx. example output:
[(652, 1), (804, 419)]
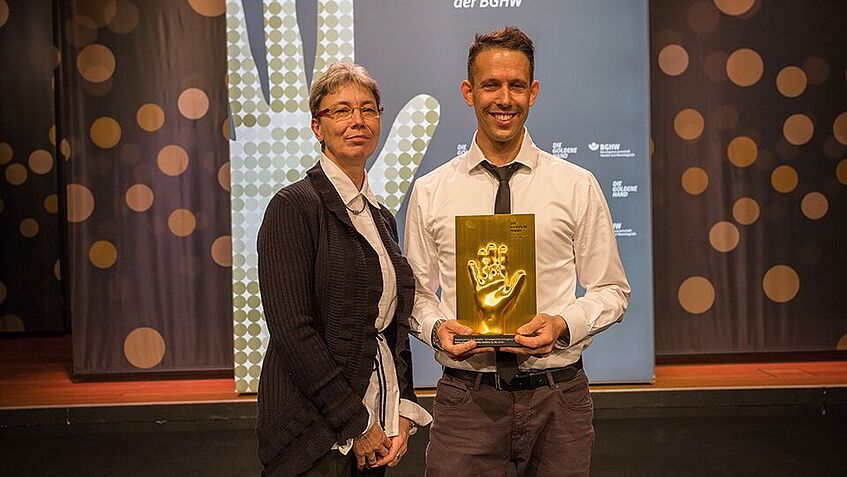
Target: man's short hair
[(506, 38), (337, 76)]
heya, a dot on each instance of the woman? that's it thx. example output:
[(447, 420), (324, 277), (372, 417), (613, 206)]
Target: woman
[(335, 395)]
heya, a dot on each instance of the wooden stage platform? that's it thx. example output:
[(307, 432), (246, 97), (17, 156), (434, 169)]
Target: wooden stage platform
[(776, 418), (36, 373)]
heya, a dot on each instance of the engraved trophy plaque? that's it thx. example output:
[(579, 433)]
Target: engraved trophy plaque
[(495, 276)]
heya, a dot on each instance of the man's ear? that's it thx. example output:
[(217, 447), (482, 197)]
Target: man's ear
[(316, 128), (467, 92), (533, 92)]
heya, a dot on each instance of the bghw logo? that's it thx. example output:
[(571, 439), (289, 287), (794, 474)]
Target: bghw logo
[(621, 231), (610, 149)]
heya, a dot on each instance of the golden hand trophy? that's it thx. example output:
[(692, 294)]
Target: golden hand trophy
[(497, 295)]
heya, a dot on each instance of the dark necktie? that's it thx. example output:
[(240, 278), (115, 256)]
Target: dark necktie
[(507, 363), (503, 199)]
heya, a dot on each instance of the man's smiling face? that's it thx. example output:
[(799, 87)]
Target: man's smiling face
[(501, 93)]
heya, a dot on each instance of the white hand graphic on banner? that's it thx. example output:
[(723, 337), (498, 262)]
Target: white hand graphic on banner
[(274, 145)]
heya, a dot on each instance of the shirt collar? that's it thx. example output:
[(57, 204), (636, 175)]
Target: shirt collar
[(526, 155), (344, 185)]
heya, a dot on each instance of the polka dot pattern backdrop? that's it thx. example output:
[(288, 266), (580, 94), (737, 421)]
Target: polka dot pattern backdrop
[(30, 294), (274, 146), (140, 120), (750, 142)]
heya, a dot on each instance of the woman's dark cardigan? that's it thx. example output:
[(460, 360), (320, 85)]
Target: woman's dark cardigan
[(321, 283)]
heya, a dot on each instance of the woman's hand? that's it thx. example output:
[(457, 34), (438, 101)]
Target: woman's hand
[(370, 446), (399, 445)]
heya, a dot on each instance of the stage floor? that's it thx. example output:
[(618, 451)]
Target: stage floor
[(781, 419), (36, 373)]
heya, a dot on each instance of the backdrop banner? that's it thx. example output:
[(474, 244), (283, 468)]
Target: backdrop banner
[(593, 110)]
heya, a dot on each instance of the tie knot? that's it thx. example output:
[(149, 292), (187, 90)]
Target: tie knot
[(503, 174)]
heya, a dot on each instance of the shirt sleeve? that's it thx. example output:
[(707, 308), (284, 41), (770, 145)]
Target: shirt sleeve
[(421, 254), (599, 270), (415, 413)]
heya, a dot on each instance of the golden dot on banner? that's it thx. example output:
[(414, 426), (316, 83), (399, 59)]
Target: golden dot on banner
[(696, 295), (102, 254), (734, 7), (842, 343), (96, 63), (688, 124), (125, 19), (4, 12), (817, 70), (673, 60), (745, 210), (80, 203), (724, 236), (208, 8), (6, 153), (742, 151), (781, 283), (193, 103), (841, 171), (695, 180), (839, 128), (222, 251), (51, 134), (139, 197), (172, 160), (97, 12), (744, 67), (51, 203), (65, 149), (703, 17), (798, 129), (57, 270), (791, 81), (105, 132), (150, 117), (29, 227), (16, 174), (40, 161), (11, 323), (144, 347), (224, 177), (226, 130), (715, 66), (784, 179), (182, 222), (814, 205)]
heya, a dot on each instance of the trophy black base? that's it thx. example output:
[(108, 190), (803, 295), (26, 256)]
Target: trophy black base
[(488, 341)]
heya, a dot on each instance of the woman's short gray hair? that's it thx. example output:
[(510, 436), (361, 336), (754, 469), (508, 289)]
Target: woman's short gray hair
[(336, 76)]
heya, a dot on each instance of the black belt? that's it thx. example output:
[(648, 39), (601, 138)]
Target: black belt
[(522, 381)]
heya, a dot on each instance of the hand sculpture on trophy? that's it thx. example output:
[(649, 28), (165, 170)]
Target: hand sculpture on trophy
[(495, 291)]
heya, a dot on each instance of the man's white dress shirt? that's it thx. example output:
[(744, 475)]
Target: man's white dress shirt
[(573, 236)]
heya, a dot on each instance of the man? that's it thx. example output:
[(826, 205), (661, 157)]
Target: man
[(485, 417)]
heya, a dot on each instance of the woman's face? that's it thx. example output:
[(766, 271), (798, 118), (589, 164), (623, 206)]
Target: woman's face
[(348, 141)]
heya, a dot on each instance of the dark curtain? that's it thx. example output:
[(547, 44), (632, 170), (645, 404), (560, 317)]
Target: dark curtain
[(749, 121), (147, 186), (30, 291)]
